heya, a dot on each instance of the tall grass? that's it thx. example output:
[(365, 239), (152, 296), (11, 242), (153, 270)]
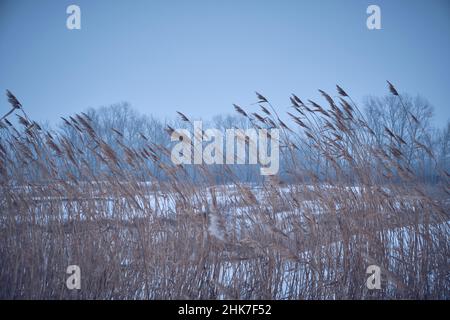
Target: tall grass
[(350, 201)]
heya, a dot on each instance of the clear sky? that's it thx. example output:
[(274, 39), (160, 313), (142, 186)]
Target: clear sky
[(199, 56)]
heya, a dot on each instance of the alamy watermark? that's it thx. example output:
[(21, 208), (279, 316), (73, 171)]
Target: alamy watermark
[(373, 21), (73, 282), (73, 21), (374, 280), (262, 147)]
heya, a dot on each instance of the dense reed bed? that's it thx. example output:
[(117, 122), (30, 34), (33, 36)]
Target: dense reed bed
[(346, 200)]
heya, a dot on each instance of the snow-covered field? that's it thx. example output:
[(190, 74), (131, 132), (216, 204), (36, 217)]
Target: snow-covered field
[(243, 240)]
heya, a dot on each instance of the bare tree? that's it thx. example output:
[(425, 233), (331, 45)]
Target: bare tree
[(409, 120)]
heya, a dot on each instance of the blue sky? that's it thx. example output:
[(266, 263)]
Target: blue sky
[(199, 57)]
